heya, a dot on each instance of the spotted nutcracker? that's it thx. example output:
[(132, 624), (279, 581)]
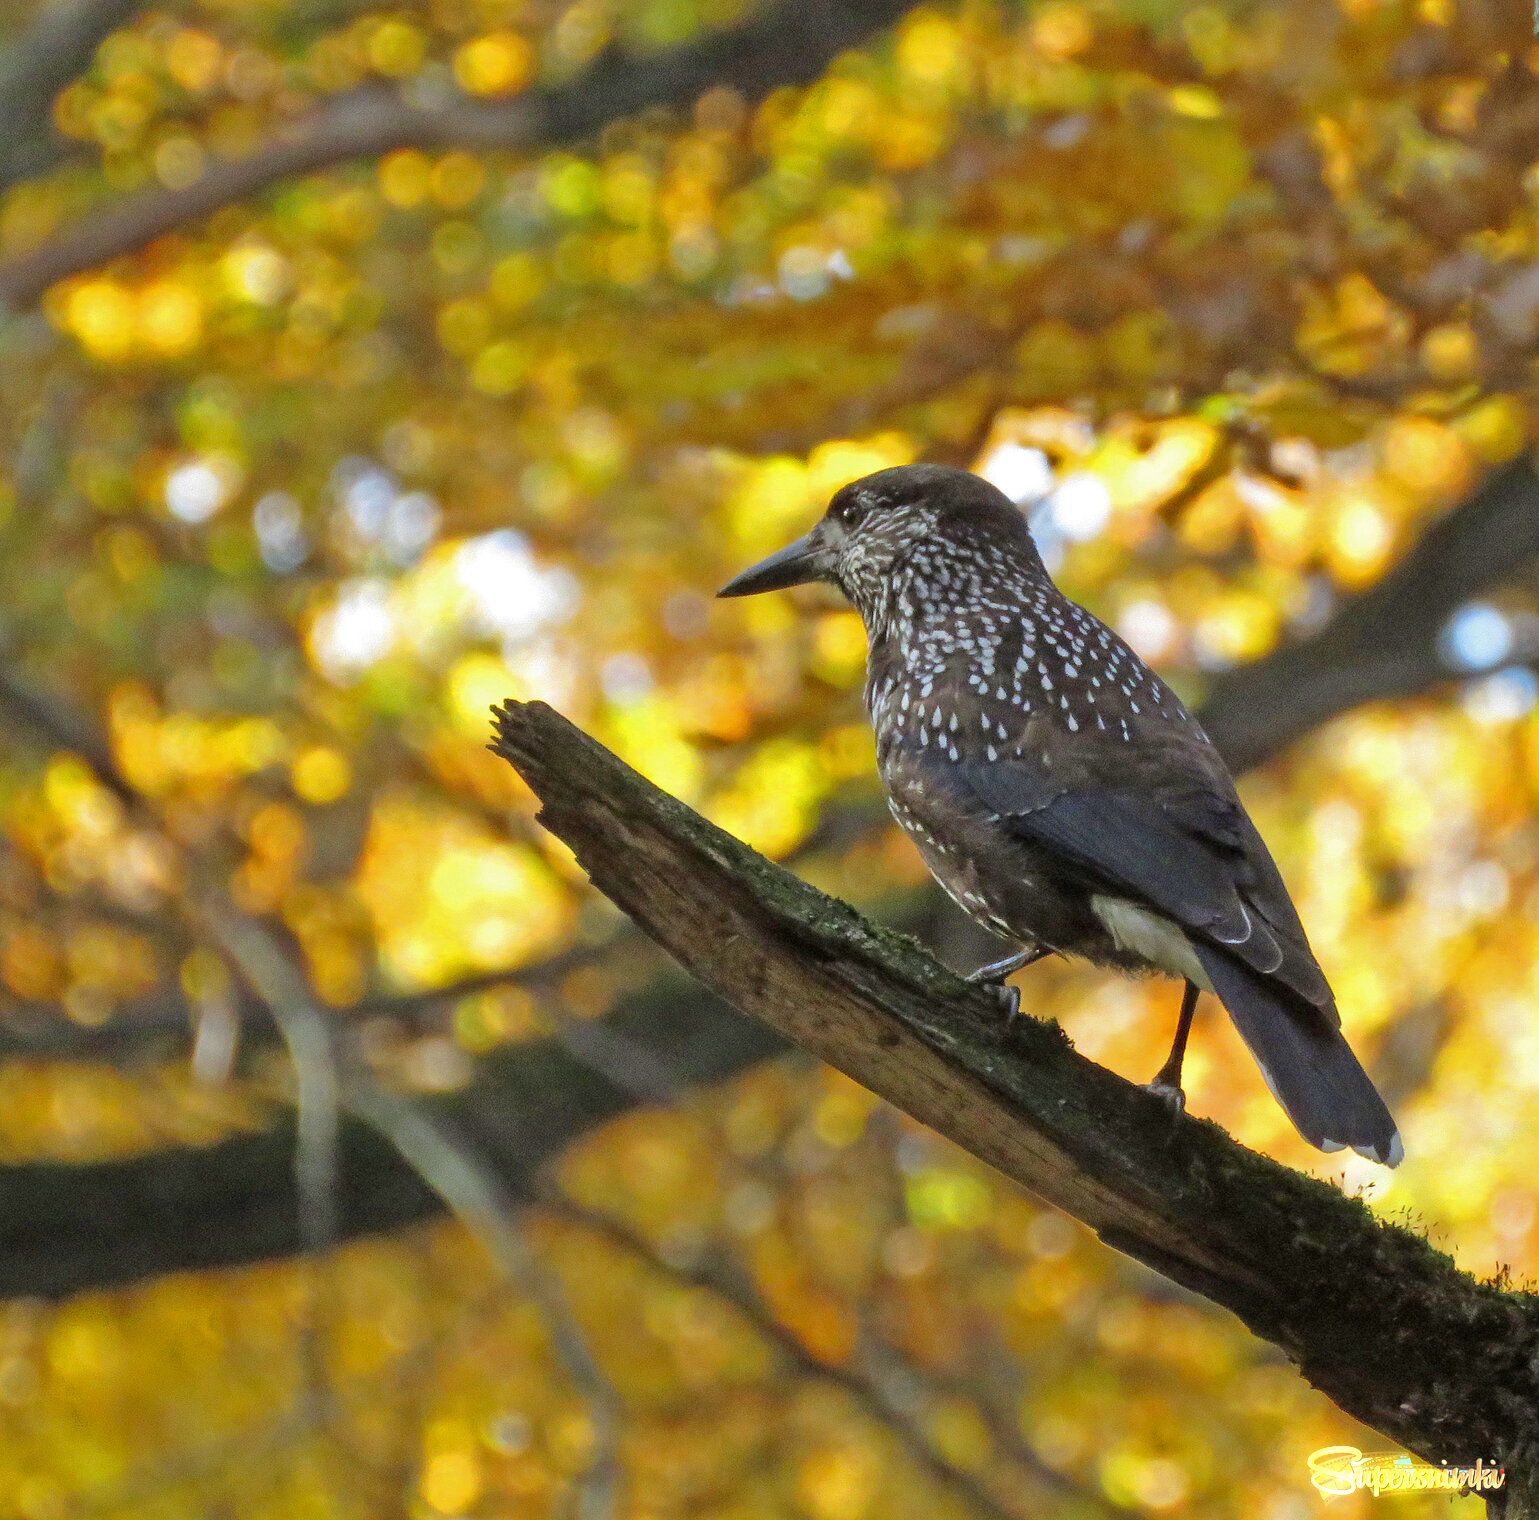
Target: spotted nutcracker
[(1060, 792)]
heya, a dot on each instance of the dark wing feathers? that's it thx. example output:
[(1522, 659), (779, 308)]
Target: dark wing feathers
[(1134, 845), (1010, 790), (1191, 853), (1268, 892)]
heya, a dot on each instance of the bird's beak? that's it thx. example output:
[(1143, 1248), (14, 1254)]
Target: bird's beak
[(794, 565)]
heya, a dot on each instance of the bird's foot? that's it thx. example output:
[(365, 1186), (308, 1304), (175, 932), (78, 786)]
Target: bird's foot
[(1011, 998), (992, 978), (1169, 1095), (995, 973)]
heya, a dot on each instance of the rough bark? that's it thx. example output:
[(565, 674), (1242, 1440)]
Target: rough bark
[(1373, 1315)]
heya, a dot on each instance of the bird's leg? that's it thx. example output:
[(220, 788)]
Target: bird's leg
[(1166, 1085), (997, 971)]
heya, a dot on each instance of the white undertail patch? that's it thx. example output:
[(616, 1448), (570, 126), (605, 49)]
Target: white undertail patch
[(1150, 935)]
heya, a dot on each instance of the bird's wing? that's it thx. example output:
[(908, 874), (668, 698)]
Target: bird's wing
[(1188, 851)]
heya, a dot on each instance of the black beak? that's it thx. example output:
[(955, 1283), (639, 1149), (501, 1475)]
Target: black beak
[(794, 565)]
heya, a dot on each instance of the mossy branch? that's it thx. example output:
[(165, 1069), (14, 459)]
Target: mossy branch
[(1376, 1318)]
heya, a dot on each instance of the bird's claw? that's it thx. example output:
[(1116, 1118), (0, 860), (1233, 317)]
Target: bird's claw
[(988, 976), (1011, 998), (1171, 1096)]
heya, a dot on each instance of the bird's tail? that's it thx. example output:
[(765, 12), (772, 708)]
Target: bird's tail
[(1307, 1063)]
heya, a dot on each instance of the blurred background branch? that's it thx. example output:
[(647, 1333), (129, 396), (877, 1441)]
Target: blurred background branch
[(1390, 642), (446, 1162), (39, 61), (877, 1393), (779, 45)]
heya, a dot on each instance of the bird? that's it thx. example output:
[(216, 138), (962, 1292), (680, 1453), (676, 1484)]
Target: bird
[(1059, 791)]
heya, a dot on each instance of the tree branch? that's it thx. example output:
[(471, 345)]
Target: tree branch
[(473, 1191), (1374, 1316), (862, 1380), (48, 718), (789, 43), (1383, 643), (312, 1050), (66, 1228), (56, 49)]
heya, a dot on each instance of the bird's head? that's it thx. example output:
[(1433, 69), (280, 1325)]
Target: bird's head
[(875, 524)]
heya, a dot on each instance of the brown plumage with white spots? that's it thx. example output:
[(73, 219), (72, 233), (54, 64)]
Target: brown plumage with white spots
[(1060, 792)]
